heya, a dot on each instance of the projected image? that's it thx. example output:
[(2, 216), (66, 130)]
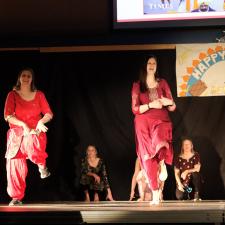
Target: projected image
[(182, 6), (168, 13)]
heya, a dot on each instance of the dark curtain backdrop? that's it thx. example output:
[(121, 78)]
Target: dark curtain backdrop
[(90, 95)]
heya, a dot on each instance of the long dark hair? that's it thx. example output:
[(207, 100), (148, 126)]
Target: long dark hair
[(18, 84), (143, 73)]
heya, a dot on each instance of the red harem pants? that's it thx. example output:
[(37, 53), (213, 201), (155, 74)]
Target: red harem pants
[(153, 144), (32, 147)]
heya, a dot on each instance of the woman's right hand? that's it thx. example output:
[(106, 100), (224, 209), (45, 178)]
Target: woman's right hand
[(26, 129), (156, 104), (180, 187), (166, 101)]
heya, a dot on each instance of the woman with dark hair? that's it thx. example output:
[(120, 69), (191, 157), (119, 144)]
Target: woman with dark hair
[(26, 110), (151, 101), (94, 177), (186, 168)]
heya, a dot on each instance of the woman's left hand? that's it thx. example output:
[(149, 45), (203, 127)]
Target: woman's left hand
[(166, 101), (184, 174), (41, 127)]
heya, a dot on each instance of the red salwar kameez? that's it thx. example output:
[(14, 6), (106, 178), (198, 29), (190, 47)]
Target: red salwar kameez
[(153, 130), (20, 147)]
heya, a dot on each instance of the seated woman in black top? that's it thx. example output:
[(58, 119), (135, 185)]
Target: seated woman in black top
[(94, 176), (187, 167)]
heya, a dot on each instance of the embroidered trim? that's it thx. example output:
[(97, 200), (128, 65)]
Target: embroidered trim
[(8, 117)]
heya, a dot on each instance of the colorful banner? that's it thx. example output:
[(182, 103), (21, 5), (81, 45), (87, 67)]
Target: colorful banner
[(200, 69)]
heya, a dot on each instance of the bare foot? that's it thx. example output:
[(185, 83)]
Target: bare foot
[(96, 197)]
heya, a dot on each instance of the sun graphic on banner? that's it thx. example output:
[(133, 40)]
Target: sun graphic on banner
[(193, 83)]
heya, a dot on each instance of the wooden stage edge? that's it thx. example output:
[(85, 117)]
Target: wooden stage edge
[(118, 212)]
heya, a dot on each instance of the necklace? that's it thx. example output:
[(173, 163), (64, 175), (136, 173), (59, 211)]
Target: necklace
[(153, 94)]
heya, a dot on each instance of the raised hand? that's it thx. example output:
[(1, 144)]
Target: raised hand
[(166, 101), (156, 104)]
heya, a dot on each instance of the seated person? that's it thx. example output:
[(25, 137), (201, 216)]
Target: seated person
[(186, 168), (94, 176), (140, 178), (203, 7)]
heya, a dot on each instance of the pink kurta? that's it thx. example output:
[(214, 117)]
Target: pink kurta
[(153, 130), (20, 147)]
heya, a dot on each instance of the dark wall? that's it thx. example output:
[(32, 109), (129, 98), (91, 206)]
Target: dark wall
[(55, 23), (90, 95)]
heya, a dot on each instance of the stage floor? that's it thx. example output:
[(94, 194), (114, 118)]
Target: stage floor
[(114, 212)]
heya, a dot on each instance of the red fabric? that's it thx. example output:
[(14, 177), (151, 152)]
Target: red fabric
[(32, 146), (28, 111), (20, 147), (153, 131), (16, 176)]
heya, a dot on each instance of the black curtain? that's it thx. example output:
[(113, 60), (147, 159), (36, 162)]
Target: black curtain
[(90, 95)]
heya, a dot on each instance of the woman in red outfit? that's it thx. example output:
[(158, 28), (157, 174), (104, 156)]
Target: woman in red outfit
[(26, 111), (151, 101)]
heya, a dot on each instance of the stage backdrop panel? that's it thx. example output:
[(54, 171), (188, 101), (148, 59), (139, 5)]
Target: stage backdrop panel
[(200, 69)]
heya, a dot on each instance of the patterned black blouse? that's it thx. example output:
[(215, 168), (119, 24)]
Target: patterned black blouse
[(184, 164), (89, 181)]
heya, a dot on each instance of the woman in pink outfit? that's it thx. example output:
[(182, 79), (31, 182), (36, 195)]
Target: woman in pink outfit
[(26, 111), (151, 101)]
